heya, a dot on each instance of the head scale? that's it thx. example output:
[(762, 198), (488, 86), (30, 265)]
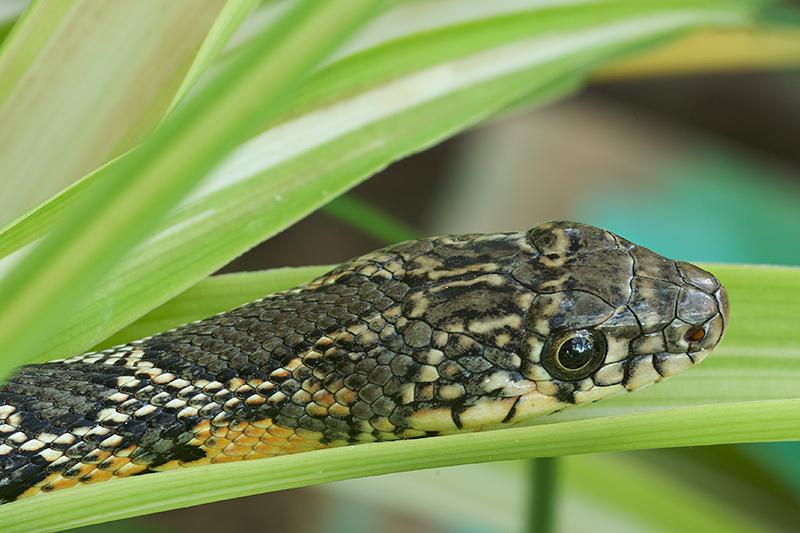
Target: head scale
[(527, 324)]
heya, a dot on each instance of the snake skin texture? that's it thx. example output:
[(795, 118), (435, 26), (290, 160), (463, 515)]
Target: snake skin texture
[(427, 337)]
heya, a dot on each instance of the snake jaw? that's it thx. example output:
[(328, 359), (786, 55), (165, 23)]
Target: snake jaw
[(658, 316)]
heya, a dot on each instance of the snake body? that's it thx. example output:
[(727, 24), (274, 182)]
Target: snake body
[(426, 337)]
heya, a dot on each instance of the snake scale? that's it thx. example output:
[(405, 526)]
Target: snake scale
[(426, 337)]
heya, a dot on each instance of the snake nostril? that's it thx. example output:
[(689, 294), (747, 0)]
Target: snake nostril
[(694, 334)]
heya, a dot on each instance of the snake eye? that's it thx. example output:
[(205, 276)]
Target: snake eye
[(574, 355)]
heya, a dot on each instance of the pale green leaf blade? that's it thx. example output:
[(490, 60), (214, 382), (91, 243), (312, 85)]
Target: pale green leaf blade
[(130, 197), (83, 81)]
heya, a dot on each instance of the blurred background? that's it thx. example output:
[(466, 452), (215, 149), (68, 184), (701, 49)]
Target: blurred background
[(700, 168)]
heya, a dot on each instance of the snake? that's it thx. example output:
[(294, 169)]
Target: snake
[(427, 337)]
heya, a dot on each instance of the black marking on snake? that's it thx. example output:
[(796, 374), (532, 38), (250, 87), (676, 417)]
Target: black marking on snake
[(422, 338)]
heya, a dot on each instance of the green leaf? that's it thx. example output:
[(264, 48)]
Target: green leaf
[(84, 81)]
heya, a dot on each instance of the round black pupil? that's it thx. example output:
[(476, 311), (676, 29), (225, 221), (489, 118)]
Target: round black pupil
[(575, 353)]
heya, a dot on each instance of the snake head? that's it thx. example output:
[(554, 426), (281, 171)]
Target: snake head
[(609, 316)]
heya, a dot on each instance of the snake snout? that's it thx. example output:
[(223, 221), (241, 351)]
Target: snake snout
[(702, 313)]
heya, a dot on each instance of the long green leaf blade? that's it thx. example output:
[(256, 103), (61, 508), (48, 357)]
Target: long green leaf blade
[(82, 82), (132, 196)]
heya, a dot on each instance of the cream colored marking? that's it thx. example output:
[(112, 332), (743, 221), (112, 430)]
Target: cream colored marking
[(434, 357), (15, 419), (407, 394), (536, 372), (598, 393), (643, 374), (502, 340), (451, 391), (674, 364), (253, 399), (5, 449), (106, 413), (18, 437), (547, 387), (439, 338), (31, 445), (486, 412), (46, 437), (357, 328), (119, 397), (151, 372), (233, 402), (60, 461), (650, 343), (437, 271), (699, 356), (618, 349), (427, 374), (213, 386), (488, 325), (180, 383), (433, 420), (554, 304), (98, 431), (163, 379), (6, 410), (557, 261), (277, 397), (111, 441), (502, 380), (187, 412), (532, 405), (116, 417), (175, 404), (610, 373), (144, 410), (50, 455), (66, 438)]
